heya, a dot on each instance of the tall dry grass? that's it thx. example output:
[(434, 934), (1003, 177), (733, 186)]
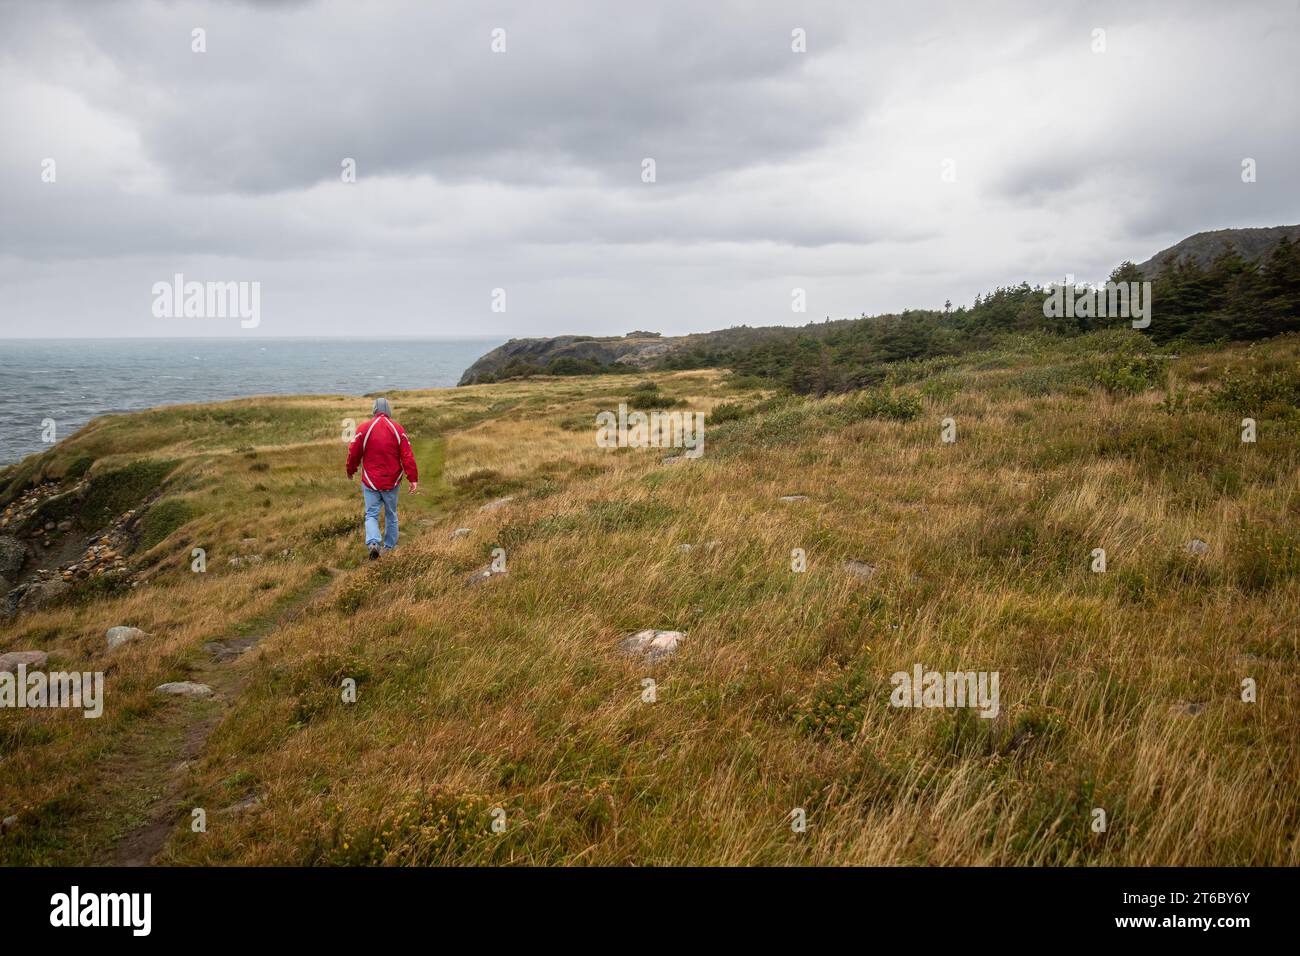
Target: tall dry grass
[(1120, 691)]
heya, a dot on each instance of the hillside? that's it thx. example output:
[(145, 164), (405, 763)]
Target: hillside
[(586, 354), (1253, 245), (510, 697), (1229, 285)]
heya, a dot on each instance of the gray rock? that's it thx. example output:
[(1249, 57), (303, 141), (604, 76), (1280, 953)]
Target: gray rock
[(671, 460), (248, 803), (231, 647), (482, 574), (499, 503), (1197, 546), (653, 644), (184, 688), (860, 569), (117, 636), (460, 533), (34, 660), (42, 593), (13, 553), (793, 498), (8, 823), (1189, 707), (65, 524)]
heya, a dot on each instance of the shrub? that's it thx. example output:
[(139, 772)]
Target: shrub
[(1266, 555), (1129, 373), (334, 529), (647, 396), (837, 707), (78, 467), (883, 403), (438, 828), (485, 483), (1251, 390), (162, 518), (728, 412)]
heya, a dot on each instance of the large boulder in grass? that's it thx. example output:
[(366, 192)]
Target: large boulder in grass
[(117, 636), (32, 660), (653, 644), (13, 554)]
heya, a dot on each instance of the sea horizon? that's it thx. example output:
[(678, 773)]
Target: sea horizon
[(72, 380)]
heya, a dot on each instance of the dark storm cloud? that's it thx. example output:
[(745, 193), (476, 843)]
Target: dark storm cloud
[(278, 99)]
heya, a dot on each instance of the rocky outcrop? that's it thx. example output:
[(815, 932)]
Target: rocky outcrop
[(33, 660), (639, 349), (42, 593), (1202, 248), (589, 353), (13, 553)]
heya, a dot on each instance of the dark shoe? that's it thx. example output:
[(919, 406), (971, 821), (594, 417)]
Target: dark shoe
[(374, 553)]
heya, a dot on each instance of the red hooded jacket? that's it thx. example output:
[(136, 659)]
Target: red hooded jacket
[(383, 452)]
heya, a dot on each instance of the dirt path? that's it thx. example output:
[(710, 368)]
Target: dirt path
[(152, 775), (192, 722)]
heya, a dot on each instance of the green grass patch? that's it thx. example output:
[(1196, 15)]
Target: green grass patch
[(163, 518)]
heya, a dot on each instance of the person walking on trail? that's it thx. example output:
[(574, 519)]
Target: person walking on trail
[(382, 451)]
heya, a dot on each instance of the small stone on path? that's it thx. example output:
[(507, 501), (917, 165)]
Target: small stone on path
[(184, 688)]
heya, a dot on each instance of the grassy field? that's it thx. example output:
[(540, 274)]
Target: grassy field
[(509, 702)]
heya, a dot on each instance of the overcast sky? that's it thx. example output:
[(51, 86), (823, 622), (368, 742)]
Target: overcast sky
[(522, 170)]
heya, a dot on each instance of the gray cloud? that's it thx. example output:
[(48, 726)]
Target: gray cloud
[(522, 170)]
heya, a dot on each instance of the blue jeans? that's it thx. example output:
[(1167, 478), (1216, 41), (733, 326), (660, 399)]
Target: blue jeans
[(389, 501)]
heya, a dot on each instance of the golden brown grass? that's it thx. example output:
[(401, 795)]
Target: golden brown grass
[(513, 695)]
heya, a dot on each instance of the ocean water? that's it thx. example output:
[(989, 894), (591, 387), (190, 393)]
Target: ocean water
[(73, 380)]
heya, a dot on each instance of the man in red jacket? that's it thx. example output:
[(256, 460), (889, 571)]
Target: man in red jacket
[(382, 451)]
